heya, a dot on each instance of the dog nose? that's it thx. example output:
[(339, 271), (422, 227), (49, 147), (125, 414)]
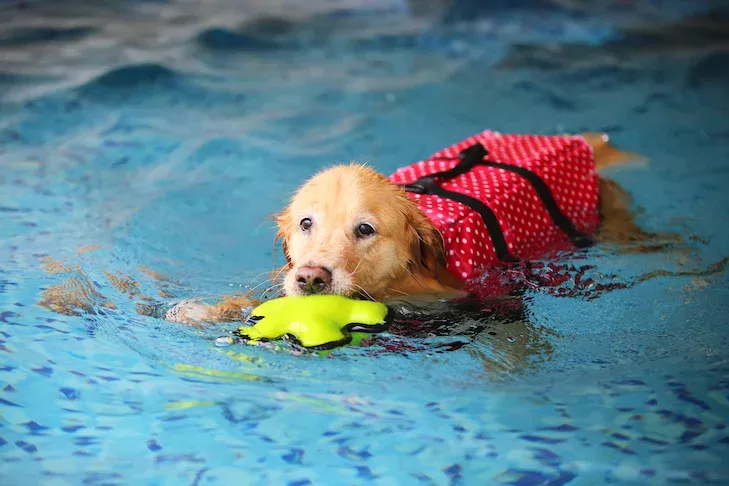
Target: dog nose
[(313, 280)]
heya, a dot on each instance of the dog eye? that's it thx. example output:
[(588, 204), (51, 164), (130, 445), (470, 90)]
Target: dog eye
[(305, 224), (365, 230)]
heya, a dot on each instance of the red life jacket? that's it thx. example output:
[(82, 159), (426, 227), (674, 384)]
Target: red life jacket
[(505, 198)]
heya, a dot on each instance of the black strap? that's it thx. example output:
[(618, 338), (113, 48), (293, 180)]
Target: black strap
[(489, 219), (579, 239), (468, 159)]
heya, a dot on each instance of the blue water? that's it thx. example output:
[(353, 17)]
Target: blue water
[(162, 134)]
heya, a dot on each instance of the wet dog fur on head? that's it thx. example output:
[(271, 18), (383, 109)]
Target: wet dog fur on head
[(350, 231)]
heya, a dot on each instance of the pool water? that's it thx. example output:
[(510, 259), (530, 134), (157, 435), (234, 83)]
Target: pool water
[(143, 146)]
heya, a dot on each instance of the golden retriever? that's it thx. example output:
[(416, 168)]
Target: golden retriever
[(350, 231)]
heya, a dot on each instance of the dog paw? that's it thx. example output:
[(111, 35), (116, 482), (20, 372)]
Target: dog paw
[(188, 312)]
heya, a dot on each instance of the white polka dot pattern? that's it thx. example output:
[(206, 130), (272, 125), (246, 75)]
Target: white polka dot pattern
[(565, 163)]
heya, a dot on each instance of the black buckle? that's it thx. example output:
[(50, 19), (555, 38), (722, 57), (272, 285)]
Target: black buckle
[(467, 159), (424, 185), (473, 154)]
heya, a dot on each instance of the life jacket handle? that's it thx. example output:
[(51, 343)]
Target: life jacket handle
[(468, 159)]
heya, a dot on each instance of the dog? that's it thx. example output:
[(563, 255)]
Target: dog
[(350, 230)]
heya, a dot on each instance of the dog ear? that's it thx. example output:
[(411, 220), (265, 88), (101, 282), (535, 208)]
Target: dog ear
[(282, 234), (428, 248)]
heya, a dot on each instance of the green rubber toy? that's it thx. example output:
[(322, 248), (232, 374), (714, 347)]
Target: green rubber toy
[(315, 322)]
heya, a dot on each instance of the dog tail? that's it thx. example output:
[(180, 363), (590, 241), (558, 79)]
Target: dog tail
[(606, 154)]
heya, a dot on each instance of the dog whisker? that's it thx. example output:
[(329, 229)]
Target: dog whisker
[(273, 287), (356, 268), (369, 296), (253, 289), (399, 291), (258, 276), (408, 270), (278, 273)]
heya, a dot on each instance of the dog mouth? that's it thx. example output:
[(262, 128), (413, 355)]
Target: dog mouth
[(308, 282), (361, 296), (352, 294), (313, 288), (357, 295)]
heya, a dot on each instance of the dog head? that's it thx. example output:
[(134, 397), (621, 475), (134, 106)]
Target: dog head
[(350, 231)]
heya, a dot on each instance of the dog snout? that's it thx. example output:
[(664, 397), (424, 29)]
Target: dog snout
[(313, 280)]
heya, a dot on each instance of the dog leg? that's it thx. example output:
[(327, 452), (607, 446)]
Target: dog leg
[(193, 311), (618, 225), (606, 154)]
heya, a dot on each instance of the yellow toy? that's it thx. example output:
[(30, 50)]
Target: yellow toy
[(316, 322)]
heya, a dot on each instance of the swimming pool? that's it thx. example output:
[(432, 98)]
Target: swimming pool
[(158, 136)]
